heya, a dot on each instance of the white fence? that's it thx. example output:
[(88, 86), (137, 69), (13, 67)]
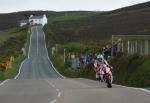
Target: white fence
[(131, 44)]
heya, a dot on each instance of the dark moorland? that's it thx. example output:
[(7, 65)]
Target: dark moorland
[(132, 20)]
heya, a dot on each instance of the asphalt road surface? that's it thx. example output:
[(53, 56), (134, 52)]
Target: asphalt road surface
[(39, 82), (37, 65)]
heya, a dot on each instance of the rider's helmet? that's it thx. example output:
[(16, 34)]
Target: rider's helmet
[(100, 58)]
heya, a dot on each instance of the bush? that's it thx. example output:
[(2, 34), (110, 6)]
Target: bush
[(74, 47), (65, 70), (12, 47), (132, 70)]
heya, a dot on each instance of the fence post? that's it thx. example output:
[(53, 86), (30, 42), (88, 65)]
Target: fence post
[(136, 47), (56, 48), (133, 47), (112, 51), (128, 47), (122, 46), (146, 47), (64, 55)]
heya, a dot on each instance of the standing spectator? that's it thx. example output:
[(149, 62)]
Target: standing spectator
[(88, 58), (105, 52), (82, 60)]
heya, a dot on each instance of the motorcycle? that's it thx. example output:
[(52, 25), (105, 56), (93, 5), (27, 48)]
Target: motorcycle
[(106, 75)]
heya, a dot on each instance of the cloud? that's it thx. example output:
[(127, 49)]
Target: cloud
[(64, 5)]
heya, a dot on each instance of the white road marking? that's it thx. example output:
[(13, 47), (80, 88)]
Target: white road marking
[(30, 43), (54, 101), (50, 60), (37, 52), (37, 40), (142, 89), (28, 56), (58, 91), (4, 82), (59, 94), (20, 69)]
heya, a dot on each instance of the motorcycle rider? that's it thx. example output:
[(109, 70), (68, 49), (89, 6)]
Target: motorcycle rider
[(102, 65)]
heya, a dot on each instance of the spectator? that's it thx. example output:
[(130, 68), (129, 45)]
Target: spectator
[(107, 51), (88, 58)]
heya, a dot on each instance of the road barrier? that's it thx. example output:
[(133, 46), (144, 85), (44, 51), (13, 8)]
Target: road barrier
[(7, 63)]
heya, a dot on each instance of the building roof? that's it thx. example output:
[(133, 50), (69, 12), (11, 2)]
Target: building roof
[(36, 17)]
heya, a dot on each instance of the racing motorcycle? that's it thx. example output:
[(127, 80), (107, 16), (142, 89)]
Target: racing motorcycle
[(106, 75)]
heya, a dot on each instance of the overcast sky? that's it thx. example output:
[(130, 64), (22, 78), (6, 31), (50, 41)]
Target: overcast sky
[(64, 5)]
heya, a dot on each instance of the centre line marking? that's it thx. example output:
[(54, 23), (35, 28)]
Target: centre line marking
[(37, 40), (59, 93)]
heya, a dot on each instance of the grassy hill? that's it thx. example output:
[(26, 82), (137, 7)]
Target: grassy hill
[(130, 70), (84, 24), (11, 19), (145, 5), (6, 34), (133, 20)]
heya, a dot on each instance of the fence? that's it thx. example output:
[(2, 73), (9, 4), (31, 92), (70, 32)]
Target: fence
[(131, 44)]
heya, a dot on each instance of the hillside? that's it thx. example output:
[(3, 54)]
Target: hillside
[(133, 20), (128, 69), (11, 42), (145, 5), (11, 20), (85, 25)]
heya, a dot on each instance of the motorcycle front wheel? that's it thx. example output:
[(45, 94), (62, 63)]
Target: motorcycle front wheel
[(109, 85)]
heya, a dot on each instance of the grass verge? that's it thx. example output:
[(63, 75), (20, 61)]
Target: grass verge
[(11, 73), (132, 70), (13, 47)]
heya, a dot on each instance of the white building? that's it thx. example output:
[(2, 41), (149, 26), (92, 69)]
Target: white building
[(23, 23), (36, 20)]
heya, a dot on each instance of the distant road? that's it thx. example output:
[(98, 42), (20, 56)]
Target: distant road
[(37, 66), (39, 82)]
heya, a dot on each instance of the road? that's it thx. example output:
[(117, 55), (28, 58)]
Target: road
[(37, 65), (39, 82)]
